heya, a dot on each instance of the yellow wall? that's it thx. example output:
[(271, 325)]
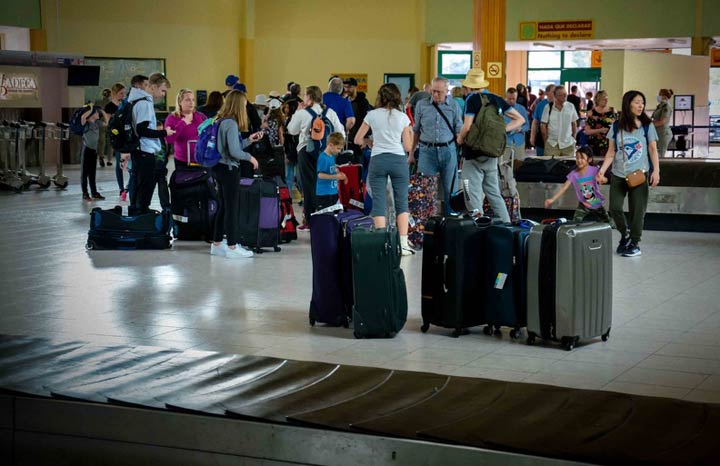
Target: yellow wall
[(200, 40), (613, 75), (306, 42)]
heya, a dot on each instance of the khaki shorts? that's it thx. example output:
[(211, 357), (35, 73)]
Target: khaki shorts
[(557, 152)]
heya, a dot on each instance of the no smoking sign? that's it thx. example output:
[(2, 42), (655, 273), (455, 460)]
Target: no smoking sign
[(494, 69)]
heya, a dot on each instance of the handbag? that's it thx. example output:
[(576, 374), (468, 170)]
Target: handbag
[(635, 178)]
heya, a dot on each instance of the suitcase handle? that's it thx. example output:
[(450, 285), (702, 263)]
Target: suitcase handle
[(595, 248), (445, 259)]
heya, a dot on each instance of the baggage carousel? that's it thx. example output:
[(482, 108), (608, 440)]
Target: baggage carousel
[(72, 403)]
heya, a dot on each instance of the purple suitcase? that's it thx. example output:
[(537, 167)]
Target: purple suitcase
[(259, 225), (329, 245)]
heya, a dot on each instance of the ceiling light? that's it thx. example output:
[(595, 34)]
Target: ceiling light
[(543, 44), (676, 41)]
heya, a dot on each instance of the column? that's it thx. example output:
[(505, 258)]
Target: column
[(489, 39)]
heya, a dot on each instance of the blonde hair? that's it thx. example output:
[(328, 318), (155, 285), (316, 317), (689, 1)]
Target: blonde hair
[(235, 107), (117, 87), (336, 139), (158, 79), (178, 99), (600, 96)]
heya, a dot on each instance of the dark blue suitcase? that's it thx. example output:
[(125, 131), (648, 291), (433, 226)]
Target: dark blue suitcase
[(110, 229), (259, 225), (329, 302), (347, 225), (503, 278), (194, 196)]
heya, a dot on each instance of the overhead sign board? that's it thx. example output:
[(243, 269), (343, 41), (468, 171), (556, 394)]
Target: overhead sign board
[(557, 30)]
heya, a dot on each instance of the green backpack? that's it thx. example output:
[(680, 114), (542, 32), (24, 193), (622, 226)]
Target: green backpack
[(487, 133)]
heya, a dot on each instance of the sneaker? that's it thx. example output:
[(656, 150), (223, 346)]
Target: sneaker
[(238, 253), (632, 250), (86, 197), (622, 245), (123, 196), (108, 163), (98, 196), (102, 163), (407, 252), (304, 227), (218, 250)]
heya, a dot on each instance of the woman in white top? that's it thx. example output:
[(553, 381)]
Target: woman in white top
[(300, 124), (392, 141)]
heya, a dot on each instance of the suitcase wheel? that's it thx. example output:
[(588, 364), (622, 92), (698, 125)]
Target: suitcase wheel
[(460, 331), (515, 333), (606, 335), (569, 343), (343, 322), (424, 328), (277, 249), (530, 338), (497, 331), (312, 322), (487, 330), (90, 245), (357, 335)]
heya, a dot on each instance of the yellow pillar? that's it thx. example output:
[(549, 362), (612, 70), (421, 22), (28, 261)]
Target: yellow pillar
[(489, 39), (38, 40)]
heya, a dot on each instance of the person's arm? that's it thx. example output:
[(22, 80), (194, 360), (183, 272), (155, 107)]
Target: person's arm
[(662, 119), (655, 159), (526, 124), (560, 192), (516, 120), (544, 121), (143, 130), (407, 139), (574, 127), (337, 126), (295, 123), (172, 122), (281, 135), (230, 135), (84, 116), (349, 123), (467, 123), (607, 162), (575, 121), (340, 176), (533, 131), (360, 135)]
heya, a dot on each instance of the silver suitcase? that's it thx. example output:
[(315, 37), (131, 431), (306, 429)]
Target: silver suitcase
[(569, 287)]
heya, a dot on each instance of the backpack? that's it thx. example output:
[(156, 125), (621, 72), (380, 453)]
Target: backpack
[(75, 124), (487, 133), (320, 129), (120, 130), (206, 148)]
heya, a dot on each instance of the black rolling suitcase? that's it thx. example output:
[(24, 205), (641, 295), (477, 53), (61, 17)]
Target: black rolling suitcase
[(380, 309), (502, 278), (110, 229), (259, 225), (194, 203), (451, 254)]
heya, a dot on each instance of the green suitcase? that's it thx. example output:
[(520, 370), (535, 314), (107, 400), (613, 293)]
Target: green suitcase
[(380, 308)]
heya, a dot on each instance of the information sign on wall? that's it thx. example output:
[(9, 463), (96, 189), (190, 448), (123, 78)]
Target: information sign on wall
[(596, 59), (494, 70), (360, 77), (19, 86), (714, 57), (557, 30)]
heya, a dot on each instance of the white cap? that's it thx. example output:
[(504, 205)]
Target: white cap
[(261, 99)]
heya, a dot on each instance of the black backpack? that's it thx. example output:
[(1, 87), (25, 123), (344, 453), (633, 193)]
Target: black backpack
[(120, 130)]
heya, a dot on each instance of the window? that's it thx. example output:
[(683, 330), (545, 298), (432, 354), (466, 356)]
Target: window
[(539, 79), (454, 64), (579, 59), (544, 60), (560, 67)]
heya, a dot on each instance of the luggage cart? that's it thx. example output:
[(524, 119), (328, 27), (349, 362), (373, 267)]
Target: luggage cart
[(39, 133), (60, 132), (23, 132), (8, 175)]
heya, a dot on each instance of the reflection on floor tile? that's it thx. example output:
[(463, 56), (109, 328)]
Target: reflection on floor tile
[(663, 343)]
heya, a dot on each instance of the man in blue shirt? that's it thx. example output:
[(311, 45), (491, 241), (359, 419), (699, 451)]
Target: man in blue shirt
[(516, 139), (342, 106), (438, 121), (535, 134)]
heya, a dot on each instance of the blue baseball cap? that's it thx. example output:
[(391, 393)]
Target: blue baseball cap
[(240, 87), (231, 80)]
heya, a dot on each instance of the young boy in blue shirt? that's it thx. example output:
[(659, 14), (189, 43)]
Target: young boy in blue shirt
[(326, 189)]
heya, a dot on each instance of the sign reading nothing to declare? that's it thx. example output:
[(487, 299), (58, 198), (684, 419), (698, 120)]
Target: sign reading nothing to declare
[(557, 30)]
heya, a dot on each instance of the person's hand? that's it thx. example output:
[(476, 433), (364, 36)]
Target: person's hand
[(601, 179), (124, 157), (654, 179), (342, 177), (255, 137), (411, 159), (604, 130), (169, 131), (548, 203), (301, 105), (265, 125), (458, 140), (254, 162)]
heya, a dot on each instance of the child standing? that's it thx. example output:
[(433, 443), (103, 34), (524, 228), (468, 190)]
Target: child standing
[(92, 122), (328, 176), (587, 191)]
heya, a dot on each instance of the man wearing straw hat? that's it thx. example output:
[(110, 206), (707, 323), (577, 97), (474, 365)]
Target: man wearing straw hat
[(479, 171)]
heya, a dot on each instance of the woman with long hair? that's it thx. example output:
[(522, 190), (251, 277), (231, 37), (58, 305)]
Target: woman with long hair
[(213, 104), (232, 120), (390, 125), (185, 121), (599, 120), (632, 149)]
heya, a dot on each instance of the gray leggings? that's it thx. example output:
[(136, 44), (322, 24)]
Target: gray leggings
[(394, 166)]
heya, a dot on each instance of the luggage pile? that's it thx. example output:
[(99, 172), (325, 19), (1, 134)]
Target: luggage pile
[(422, 204), (554, 279)]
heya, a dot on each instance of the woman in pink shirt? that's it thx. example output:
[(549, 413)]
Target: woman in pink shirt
[(185, 121)]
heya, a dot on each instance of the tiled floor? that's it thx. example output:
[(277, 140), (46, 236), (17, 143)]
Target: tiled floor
[(664, 340)]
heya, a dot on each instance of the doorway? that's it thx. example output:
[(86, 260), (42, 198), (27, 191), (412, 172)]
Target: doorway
[(404, 81)]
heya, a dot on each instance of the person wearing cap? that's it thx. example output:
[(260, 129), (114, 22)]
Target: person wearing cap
[(438, 121), (480, 172), (360, 107), (343, 108), (261, 105), (230, 82)]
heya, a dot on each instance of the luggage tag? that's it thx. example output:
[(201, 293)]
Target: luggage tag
[(125, 211), (500, 280)]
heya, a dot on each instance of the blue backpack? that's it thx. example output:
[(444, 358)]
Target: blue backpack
[(320, 129), (206, 149), (75, 123)]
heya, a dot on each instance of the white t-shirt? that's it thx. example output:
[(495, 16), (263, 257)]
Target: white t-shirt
[(559, 125), (387, 127)]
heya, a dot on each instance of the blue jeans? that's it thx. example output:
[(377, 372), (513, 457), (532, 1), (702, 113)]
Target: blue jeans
[(441, 160), (290, 176), (119, 172)]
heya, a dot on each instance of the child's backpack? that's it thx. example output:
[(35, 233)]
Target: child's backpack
[(487, 133), (120, 130), (206, 148), (75, 124), (320, 129)]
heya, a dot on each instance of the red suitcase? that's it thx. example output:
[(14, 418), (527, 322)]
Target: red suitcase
[(352, 192)]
